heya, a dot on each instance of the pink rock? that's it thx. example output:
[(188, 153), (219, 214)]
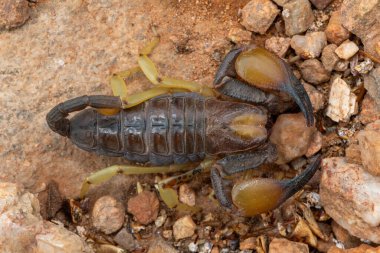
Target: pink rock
[(298, 16), (369, 143), (310, 45), (335, 32), (369, 111), (258, 15), (351, 196), (291, 136), (278, 245), (144, 207), (108, 214), (278, 45)]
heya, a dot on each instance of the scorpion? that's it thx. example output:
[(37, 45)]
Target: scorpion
[(178, 123)]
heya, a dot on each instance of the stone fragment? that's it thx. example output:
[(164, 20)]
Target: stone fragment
[(315, 144), (258, 15), (342, 102), (291, 136), (13, 13), (369, 111), (329, 58), (335, 31), (369, 143), (160, 246), (239, 36), (247, 244), (281, 2), (320, 4), (316, 97), (144, 207), (108, 214), (372, 85), (350, 195), (353, 154), (50, 200), (346, 50), (364, 248), (364, 67), (184, 227), (278, 245), (362, 18), (125, 239), (23, 230), (278, 45), (57, 239), (341, 65), (298, 16), (186, 195), (310, 45), (313, 72), (344, 237)]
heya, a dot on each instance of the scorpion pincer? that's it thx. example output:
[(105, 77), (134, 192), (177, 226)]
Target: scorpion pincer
[(178, 123)]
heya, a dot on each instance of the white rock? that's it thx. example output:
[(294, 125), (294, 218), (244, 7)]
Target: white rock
[(350, 195), (184, 227), (346, 50), (342, 102), (23, 230)]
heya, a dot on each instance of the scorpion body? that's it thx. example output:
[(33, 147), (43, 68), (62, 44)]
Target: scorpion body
[(177, 128), (179, 122)]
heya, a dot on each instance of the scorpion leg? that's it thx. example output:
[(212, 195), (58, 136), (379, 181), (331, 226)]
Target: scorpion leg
[(107, 173), (151, 72)]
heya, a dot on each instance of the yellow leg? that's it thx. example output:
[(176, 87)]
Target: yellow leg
[(164, 85), (105, 174)]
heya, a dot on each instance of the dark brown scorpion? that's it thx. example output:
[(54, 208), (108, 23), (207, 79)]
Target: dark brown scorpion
[(178, 123)]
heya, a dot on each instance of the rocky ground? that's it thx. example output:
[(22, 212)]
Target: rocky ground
[(51, 51)]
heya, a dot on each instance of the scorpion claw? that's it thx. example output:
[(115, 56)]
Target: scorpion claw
[(295, 89), (261, 195)]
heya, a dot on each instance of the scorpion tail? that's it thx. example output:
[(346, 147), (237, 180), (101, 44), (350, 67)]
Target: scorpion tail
[(57, 117)]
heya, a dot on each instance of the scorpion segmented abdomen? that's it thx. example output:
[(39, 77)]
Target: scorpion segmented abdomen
[(166, 129)]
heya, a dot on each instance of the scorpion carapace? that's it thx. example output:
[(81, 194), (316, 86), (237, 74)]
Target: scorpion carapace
[(178, 123)]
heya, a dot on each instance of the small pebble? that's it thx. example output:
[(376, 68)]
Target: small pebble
[(316, 97), (13, 13), (144, 207), (249, 243), (342, 102), (279, 245), (369, 143), (160, 246), (298, 16), (335, 32), (313, 72), (369, 111), (291, 136), (278, 45), (126, 240), (167, 234), (315, 144), (258, 15), (108, 214), (372, 85), (239, 36), (346, 50), (193, 247), (329, 58), (184, 227), (310, 45), (186, 195), (161, 219)]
